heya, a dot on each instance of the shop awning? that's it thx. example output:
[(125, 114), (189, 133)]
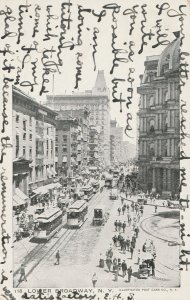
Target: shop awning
[(17, 201), (40, 190), (19, 198), (20, 194)]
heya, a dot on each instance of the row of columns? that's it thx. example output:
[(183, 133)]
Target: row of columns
[(163, 179)]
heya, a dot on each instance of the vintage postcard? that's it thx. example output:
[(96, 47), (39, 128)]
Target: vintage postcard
[(95, 149)]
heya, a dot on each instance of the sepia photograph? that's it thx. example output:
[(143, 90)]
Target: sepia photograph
[(90, 207), (94, 149)]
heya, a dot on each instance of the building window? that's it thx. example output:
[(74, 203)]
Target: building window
[(51, 148), (64, 138), (17, 145), (30, 121), (30, 137), (151, 101), (56, 138), (47, 148), (24, 136), (24, 125), (56, 150), (17, 118), (30, 152), (64, 149), (24, 150), (152, 124)]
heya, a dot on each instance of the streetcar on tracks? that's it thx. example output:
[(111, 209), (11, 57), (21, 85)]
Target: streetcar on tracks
[(96, 186), (88, 192), (76, 214), (48, 224)]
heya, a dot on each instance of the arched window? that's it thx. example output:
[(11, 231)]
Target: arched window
[(152, 126), (166, 124), (151, 149), (151, 101)]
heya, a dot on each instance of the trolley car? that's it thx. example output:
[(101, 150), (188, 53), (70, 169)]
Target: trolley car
[(88, 192), (48, 223), (96, 186), (76, 215)]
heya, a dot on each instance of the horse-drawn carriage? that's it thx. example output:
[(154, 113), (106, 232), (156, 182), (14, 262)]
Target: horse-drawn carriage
[(100, 216)]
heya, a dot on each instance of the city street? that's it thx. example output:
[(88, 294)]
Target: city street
[(81, 249)]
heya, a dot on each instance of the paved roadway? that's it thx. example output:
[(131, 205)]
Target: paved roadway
[(80, 251)]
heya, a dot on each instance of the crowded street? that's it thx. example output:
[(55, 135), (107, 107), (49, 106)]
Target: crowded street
[(137, 245)]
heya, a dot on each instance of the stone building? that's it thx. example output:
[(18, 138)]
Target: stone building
[(82, 117), (33, 137), (159, 122), (68, 147), (116, 138), (97, 102), (94, 146)]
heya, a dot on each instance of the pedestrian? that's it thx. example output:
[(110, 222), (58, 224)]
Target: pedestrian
[(138, 256), (114, 264), (115, 240), (124, 268), (17, 219), (155, 208), (127, 207), (124, 226), (137, 231), (119, 211), (109, 263), (122, 200), (153, 268), (116, 224), (119, 225), (94, 280), (129, 221), (133, 244), (123, 209), (128, 243), (22, 273), (131, 250), (57, 256), (129, 271)]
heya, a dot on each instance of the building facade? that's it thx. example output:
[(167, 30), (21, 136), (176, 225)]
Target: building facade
[(97, 102), (33, 143), (94, 150), (68, 148), (116, 138), (159, 122), (83, 117)]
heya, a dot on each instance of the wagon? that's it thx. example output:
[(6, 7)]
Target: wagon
[(99, 216)]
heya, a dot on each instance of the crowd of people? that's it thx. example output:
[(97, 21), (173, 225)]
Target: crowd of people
[(123, 244)]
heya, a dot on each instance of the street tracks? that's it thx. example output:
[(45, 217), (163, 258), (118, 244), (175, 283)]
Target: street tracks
[(47, 249)]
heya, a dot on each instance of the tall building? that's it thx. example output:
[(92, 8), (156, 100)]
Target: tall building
[(116, 138), (68, 147), (159, 122), (33, 143), (94, 146), (97, 102), (83, 118)]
